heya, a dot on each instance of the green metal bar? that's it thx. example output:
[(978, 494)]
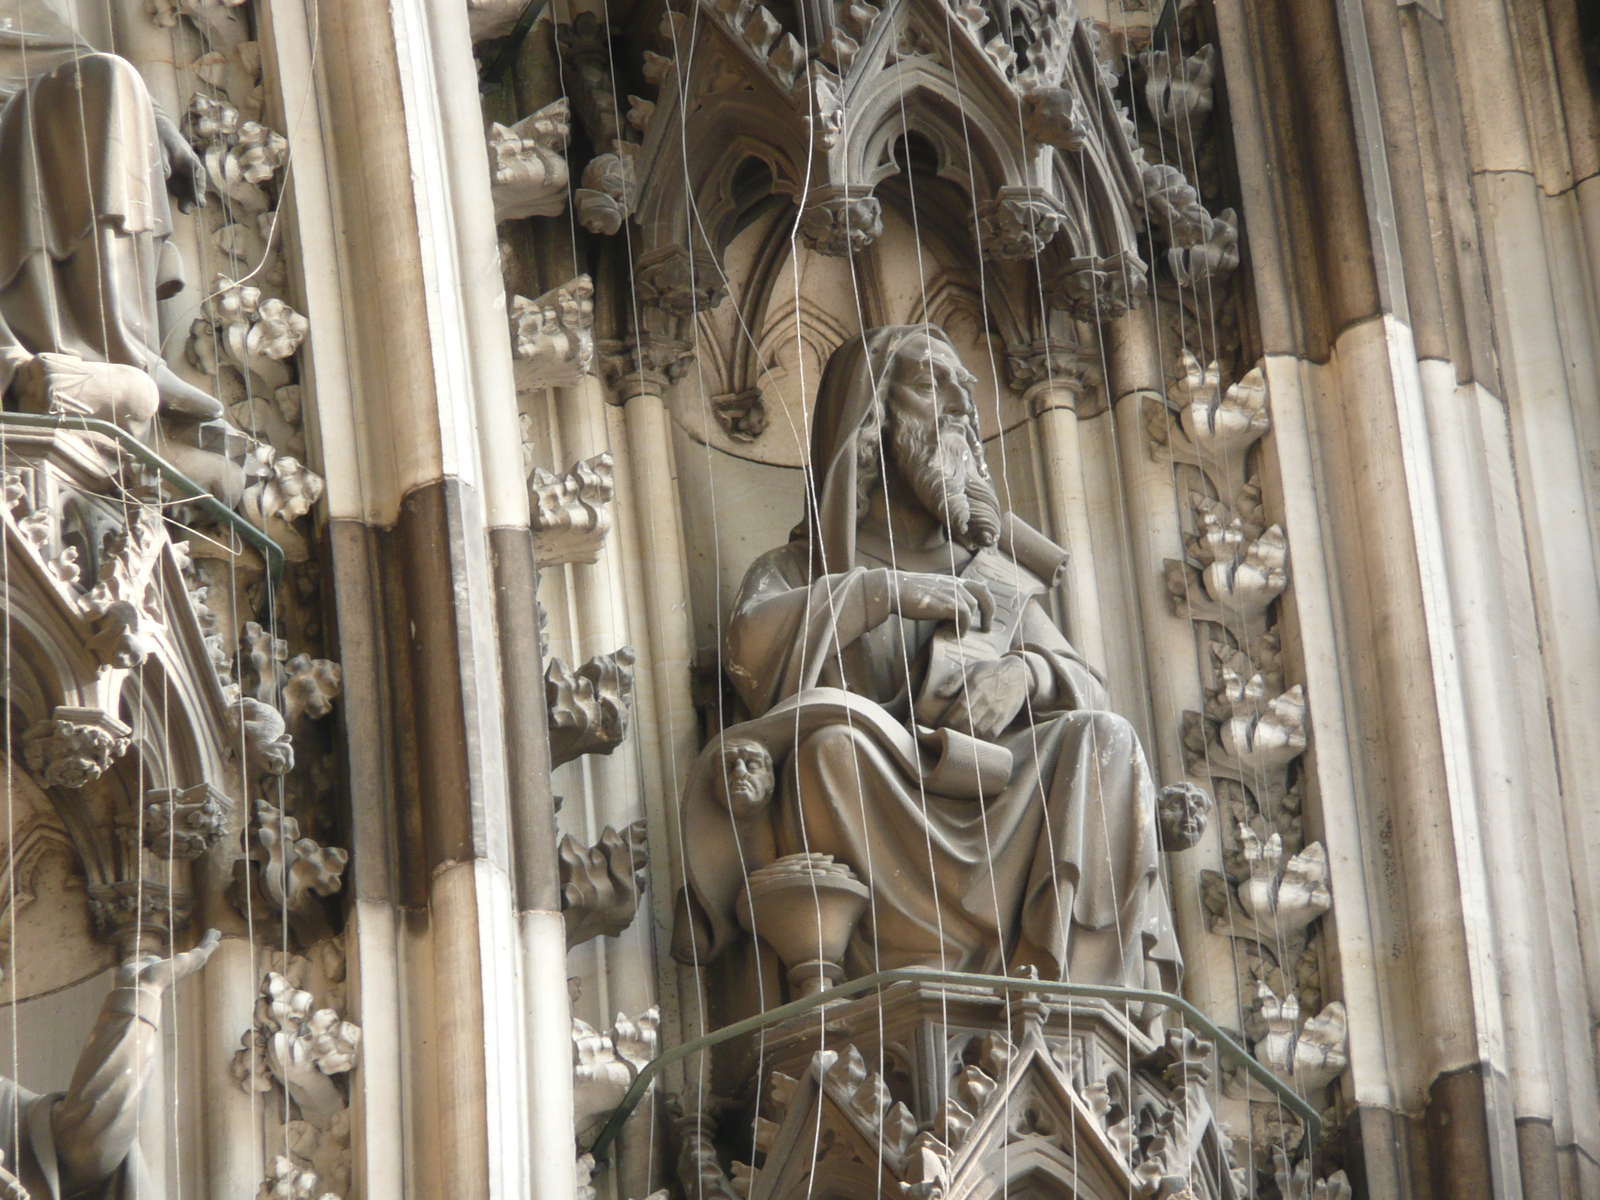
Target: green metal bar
[(867, 983), (270, 550), (494, 74)]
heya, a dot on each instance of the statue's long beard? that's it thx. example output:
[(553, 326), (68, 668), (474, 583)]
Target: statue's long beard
[(948, 479)]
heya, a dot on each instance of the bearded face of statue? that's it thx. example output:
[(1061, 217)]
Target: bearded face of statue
[(933, 435)]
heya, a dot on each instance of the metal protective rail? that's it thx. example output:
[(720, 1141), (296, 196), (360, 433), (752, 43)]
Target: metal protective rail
[(270, 550), (867, 983)]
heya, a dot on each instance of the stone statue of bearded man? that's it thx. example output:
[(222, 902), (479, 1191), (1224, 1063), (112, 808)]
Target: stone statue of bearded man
[(928, 725)]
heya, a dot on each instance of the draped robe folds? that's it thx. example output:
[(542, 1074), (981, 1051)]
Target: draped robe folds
[(84, 213), (94, 1123), (1059, 869)]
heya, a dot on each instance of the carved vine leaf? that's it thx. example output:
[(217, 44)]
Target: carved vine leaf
[(528, 163), (604, 1065), (249, 332), (310, 687), (572, 514), (1178, 90), (1298, 1183), (601, 884), (294, 868), (124, 604), (610, 190), (553, 336), (589, 708), (284, 491), (241, 156), (300, 1041), (1308, 1055)]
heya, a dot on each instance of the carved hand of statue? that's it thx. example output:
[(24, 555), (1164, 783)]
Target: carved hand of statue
[(186, 173), (993, 696), (943, 598), (156, 975), (10, 1186)]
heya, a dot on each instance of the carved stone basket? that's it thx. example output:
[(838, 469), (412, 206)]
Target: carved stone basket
[(805, 906)]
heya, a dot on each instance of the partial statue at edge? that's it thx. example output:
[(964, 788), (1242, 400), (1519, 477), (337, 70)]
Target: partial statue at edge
[(931, 776), (89, 160), (84, 1142)]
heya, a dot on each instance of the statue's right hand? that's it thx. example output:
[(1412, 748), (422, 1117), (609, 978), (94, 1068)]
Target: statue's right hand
[(925, 597), (155, 974), (10, 1186)]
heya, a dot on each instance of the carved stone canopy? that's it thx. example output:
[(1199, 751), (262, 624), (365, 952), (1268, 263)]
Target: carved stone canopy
[(961, 1093), (1069, 181)]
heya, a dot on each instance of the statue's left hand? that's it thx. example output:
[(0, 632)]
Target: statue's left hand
[(993, 696), (186, 172), (158, 974)]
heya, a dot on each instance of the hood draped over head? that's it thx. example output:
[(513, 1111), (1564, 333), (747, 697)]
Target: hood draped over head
[(850, 399)]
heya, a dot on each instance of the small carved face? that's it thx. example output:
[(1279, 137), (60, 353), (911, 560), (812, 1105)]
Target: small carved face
[(1185, 811), (744, 784)]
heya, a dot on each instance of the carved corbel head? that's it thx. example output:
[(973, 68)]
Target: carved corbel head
[(678, 283), (838, 219), (1098, 288), (1018, 223)]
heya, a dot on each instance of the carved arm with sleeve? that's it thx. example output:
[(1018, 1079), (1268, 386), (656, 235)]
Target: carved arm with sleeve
[(95, 1124)]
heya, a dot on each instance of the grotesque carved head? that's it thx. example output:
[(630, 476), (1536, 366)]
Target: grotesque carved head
[(932, 430), (1184, 810), (743, 785)]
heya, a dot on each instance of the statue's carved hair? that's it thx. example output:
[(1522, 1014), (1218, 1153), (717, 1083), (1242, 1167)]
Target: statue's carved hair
[(869, 457)]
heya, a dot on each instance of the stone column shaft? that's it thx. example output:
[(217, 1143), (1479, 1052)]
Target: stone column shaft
[(656, 572), (1067, 503), (456, 897)]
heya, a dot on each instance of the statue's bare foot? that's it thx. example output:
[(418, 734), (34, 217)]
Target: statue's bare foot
[(67, 385), (180, 398)]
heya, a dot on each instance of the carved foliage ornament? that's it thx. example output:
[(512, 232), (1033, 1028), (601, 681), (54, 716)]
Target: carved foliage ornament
[(528, 165), (841, 220), (178, 823), (601, 884), (610, 190), (301, 1042), (589, 708), (1018, 223), (553, 336), (75, 746), (1253, 731), (571, 512)]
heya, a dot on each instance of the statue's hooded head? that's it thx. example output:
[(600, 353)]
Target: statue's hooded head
[(900, 394)]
